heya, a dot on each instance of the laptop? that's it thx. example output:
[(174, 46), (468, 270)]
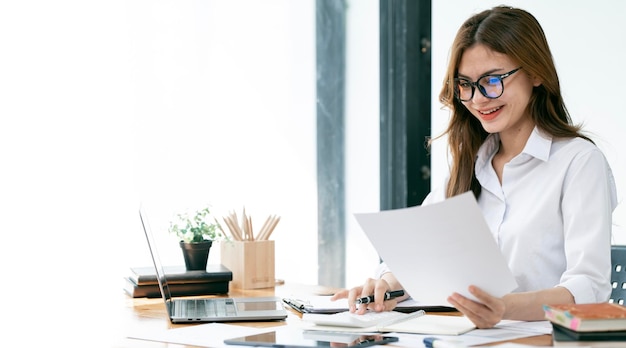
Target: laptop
[(196, 310)]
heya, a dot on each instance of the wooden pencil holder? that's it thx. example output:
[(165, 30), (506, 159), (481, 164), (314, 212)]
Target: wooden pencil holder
[(252, 263)]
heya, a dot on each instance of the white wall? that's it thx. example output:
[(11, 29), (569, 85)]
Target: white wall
[(104, 104), (67, 204), (588, 42), (225, 111), (236, 97), (362, 136)]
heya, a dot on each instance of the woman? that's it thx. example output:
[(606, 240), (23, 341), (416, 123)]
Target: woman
[(546, 191)]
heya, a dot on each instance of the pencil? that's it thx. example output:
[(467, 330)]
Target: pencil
[(232, 228), (235, 222), (264, 227), (271, 229)]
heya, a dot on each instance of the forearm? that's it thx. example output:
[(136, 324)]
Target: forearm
[(529, 305)]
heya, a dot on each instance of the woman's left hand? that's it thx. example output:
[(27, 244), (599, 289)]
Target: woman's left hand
[(486, 313)]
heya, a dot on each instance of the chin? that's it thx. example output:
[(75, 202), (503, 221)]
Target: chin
[(491, 128)]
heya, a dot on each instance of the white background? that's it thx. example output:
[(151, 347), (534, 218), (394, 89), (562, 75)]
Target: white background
[(104, 104)]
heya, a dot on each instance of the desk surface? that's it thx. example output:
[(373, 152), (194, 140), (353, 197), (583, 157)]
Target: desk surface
[(150, 313)]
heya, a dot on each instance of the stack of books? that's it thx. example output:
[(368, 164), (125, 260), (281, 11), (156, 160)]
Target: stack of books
[(590, 324), (142, 281)]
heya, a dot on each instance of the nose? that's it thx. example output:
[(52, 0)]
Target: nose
[(478, 97)]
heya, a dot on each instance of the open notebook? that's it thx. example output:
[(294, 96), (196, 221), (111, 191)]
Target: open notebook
[(417, 322)]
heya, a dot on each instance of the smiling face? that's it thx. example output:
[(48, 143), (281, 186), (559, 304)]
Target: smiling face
[(509, 112)]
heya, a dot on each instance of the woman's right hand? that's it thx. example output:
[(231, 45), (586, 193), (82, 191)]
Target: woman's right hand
[(376, 287)]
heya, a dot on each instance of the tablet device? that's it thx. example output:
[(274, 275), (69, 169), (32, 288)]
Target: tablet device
[(305, 339)]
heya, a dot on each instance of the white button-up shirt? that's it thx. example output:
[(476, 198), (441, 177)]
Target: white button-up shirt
[(552, 215)]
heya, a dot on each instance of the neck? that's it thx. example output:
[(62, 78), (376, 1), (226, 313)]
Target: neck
[(512, 141)]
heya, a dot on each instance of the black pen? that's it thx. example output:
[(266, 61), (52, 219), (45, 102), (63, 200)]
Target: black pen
[(388, 296)]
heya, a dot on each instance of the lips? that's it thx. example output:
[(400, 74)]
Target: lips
[(489, 114)]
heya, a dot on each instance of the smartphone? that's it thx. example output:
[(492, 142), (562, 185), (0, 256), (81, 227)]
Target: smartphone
[(305, 339)]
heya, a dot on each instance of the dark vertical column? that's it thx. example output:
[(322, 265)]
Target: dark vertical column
[(405, 94), (330, 47)]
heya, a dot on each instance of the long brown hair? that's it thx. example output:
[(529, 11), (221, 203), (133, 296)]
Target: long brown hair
[(517, 34)]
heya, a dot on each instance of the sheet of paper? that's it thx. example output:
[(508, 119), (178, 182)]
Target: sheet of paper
[(542, 327), (505, 330), (204, 335), (435, 250), (470, 339), (213, 335)]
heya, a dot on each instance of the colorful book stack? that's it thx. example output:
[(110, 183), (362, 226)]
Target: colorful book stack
[(142, 281), (590, 324)]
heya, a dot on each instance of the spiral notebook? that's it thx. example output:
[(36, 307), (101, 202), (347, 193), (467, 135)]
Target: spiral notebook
[(323, 305)]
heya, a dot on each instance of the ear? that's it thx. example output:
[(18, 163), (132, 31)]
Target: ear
[(536, 81)]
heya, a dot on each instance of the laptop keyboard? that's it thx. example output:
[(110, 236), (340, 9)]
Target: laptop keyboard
[(205, 308)]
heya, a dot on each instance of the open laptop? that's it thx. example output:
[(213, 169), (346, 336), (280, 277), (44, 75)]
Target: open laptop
[(194, 310)]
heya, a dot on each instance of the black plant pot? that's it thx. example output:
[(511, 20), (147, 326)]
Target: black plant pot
[(196, 254)]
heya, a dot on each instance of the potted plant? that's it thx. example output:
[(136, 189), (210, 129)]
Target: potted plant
[(197, 233)]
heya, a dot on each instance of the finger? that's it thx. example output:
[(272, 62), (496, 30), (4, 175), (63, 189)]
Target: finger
[(381, 287), (469, 305), (482, 296), (339, 295), (353, 294), (368, 289), (457, 303), (488, 307), (492, 308), (390, 304), (481, 315)]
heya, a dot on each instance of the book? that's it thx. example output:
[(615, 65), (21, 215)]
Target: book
[(562, 336), (417, 323), (179, 289), (587, 317), (179, 275), (565, 334)]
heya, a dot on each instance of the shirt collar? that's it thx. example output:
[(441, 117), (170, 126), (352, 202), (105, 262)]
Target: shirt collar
[(538, 146)]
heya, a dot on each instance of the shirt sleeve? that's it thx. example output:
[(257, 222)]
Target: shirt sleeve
[(438, 194), (381, 270), (589, 198)]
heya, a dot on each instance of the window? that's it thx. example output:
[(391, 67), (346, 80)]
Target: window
[(225, 113)]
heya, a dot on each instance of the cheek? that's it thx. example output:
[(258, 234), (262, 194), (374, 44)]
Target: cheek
[(523, 99), (473, 113), (525, 90)]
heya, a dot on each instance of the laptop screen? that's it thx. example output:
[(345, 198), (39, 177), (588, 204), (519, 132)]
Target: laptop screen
[(165, 291)]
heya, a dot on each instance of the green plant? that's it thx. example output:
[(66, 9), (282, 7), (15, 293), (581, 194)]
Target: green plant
[(196, 228)]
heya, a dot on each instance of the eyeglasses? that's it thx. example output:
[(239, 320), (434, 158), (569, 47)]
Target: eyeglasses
[(491, 86)]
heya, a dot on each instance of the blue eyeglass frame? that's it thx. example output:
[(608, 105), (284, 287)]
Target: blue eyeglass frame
[(475, 85)]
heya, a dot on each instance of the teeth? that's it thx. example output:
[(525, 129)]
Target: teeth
[(490, 111)]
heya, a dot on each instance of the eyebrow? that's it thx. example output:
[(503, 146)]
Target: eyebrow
[(488, 72)]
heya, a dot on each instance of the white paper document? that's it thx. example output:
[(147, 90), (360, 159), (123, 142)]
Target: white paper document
[(441, 248), (204, 335)]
